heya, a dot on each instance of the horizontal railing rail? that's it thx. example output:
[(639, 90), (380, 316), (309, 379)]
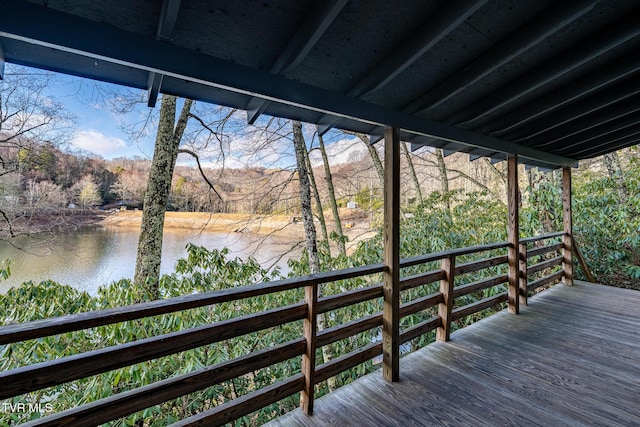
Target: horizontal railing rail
[(543, 265), (430, 301), (75, 322)]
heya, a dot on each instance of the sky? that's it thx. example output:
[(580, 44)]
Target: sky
[(100, 130)]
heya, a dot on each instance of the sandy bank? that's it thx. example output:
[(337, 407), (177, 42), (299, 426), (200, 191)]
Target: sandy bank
[(278, 225), (202, 221)]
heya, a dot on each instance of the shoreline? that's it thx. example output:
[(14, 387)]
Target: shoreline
[(355, 226), (261, 225), (280, 225)]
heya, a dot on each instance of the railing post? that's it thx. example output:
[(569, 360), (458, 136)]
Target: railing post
[(443, 333), (309, 357), (567, 241), (523, 274), (513, 233), (391, 287)]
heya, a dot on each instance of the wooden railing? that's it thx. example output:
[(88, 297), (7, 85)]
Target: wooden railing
[(441, 295)]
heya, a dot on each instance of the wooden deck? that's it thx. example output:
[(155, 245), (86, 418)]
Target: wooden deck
[(571, 358)]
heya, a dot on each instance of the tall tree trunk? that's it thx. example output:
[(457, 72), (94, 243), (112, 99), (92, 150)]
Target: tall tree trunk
[(412, 171), (309, 227), (305, 197), (374, 157), (332, 197), (540, 182), (444, 178), (156, 196), (614, 168), (316, 194)]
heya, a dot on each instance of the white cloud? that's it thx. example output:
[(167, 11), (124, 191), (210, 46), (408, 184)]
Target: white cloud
[(99, 143), (242, 149), (340, 152)]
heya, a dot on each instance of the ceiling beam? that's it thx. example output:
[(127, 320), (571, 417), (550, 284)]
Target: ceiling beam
[(596, 102), (41, 26), (166, 24), (153, 89), (566, 61), (299, 46), (550, 21), (405, 53), (613, 130), (428, 34), (598, 151), (571, 92), (168, 19), (580, 129)]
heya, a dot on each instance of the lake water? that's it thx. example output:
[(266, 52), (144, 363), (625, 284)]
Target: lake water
[(87, 259)]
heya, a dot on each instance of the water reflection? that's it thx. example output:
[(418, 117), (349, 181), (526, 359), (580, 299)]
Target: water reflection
[(87, 259)]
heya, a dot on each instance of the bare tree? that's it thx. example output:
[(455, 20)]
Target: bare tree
[(614, 168), (316, 194), (332, 196), (412, 171), (30, 119)]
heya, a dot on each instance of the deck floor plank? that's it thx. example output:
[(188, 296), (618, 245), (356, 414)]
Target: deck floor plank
[(571, 358)]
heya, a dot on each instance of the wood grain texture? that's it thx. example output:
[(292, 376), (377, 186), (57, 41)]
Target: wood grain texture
[(459, 291), (420, 304), (581, 374), (59, 371), (523, 279), (223, 414), (544, 250), (470, 267), (567, 221), (583, 262), (513, 229), (436, 256), (310, 328), (122, 404), (546, 280), (483, 304), (420, 329), (345, 330), (391, 251), (420, 279), (535, 268), (547, 236), (348, 298), (347, 361), (74, 322), (446, 289)]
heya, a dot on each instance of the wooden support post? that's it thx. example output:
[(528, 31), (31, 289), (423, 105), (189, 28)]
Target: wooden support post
[(391, 287), (582, 261), (567, 241), (443, 333), (523, 274), (309, 357), (513, 233)]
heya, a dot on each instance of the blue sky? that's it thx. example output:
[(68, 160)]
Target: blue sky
[(100, 130)]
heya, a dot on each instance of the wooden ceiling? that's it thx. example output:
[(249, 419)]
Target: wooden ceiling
[(551, 81)]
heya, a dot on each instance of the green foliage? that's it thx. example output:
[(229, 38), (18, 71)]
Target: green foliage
[(5, 269), (607, 225), (201, 271)]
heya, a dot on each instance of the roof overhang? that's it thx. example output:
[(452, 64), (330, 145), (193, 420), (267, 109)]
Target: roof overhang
[(508, 119)]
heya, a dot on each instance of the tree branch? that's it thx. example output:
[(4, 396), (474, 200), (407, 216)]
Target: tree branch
[(195, 156)]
